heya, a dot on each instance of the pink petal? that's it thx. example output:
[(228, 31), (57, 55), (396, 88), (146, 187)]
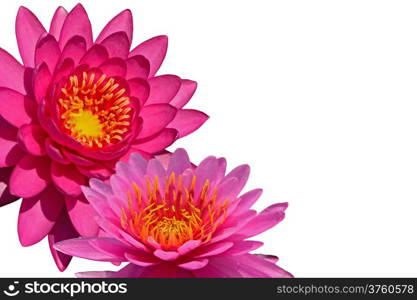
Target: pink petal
[(155, 118), (139, 88), (117, 44), (221, 170), (55, 153), (228, 189), (11, 72), (75, 49), (10, 151), (30, 176), (187, 121), (142, 260), (206, 170), (166, 255), (98, 171), (67, 179), (129, 271), (241, 173), (99, 203), (95, 56), (41, 82), (96, 274), (114, 67), (76, 23), (153, 50), (137, 67), (77, 159), (243, 247), (24, 108), (163, 88), (134, 242), (179, 162), (163, 270), (137, 162), (62, 230), (28, 32), (101, 187), (57, 22), (252, 264), (194, 264), (157, 143), (122, 22), (111, 247), (81, 247), (38, 215), (185, 93), (271, 258), (47, 51), (265, 220), (212, 249), (32, 138), (82, 216), (189, 246), (5, 196), (248, 200)]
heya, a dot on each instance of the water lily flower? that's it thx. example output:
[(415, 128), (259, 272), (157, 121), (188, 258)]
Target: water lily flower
[(73, 109), (176, 220)]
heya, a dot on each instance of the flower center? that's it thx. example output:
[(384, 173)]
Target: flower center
[(95, 110), (173, 216)]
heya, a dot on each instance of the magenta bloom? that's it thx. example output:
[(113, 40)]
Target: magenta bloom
[(74, 109), (177, 221)]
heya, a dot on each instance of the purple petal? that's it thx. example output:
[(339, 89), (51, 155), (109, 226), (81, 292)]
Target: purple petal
[(265, 220), (81, 247), (179, 162)]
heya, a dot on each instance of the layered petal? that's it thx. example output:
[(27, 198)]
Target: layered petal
[(30, 176), (76, 23), (187, 121), (28, 32), (154, 50), (38, 215)]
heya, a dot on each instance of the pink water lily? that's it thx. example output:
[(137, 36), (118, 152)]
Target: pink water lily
[(176, 220), (73, 109)]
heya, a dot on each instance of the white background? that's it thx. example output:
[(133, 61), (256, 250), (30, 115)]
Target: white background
[(319, 97)]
